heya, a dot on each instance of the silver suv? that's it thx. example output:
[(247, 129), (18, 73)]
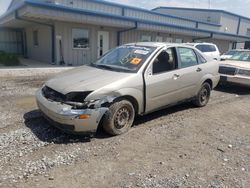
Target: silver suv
[(130, 80)]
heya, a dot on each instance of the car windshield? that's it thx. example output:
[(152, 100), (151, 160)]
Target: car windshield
[(127, 58), (241, 56), (232, 52)]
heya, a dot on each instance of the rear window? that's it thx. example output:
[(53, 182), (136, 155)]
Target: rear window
[(206, 48)]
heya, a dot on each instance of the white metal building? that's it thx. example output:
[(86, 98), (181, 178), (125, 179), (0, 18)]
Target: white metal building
[(79, 31)]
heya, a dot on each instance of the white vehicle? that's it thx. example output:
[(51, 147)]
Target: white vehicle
[(236, 69), (209, 49), (231, 53)]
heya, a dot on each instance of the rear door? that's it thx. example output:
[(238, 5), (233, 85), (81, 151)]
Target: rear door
[(190, 72)]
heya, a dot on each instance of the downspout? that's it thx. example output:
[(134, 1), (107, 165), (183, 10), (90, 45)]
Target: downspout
[(210, 37), (123, 31), (17, 17)]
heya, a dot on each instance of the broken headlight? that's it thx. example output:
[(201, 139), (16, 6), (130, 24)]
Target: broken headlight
[(77, 96)]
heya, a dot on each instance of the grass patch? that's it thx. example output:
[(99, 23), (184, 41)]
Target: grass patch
[(8, 59)]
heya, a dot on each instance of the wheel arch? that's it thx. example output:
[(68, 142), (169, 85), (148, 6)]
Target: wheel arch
[(132, 100), (209, 81)]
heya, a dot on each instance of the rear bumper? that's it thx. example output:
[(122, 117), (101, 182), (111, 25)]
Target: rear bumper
[(245, 81), (63, 117)]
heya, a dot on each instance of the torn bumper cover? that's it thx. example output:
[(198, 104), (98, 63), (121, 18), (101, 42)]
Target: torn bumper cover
[(68, 119)]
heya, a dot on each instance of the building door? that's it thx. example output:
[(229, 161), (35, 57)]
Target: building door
[(102, 43)]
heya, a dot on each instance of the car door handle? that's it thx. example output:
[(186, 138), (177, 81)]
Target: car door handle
[(176, 76), (198, 69)]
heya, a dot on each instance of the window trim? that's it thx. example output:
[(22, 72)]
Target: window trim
[(72, 39)]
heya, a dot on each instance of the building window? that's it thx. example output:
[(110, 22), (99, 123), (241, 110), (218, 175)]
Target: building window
[(178, 40), (248, 32), (35, 38), (145, 38), (80, 38)]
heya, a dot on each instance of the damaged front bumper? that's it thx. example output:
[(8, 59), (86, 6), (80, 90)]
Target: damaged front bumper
[(68, 119)]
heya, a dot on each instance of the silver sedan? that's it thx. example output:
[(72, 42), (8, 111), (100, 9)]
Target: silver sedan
[(130, 80)]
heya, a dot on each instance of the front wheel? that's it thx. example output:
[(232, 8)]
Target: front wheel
[(119, 118), (203, 96)]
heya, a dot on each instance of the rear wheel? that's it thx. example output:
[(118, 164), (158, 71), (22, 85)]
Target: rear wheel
[(203, 96), (119, 118)]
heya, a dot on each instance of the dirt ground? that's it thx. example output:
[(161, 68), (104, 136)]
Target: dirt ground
[(182, 146)]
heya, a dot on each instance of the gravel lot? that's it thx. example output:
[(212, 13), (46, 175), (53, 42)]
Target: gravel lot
[(181, 146)]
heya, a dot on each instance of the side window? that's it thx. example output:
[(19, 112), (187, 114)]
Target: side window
[(165, 61), (201, 58), (188, 57)]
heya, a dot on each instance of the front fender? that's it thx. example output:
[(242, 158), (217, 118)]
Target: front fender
[(109, 97)]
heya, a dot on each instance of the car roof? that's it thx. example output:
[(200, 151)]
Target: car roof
[(200, 43), (158, 44)]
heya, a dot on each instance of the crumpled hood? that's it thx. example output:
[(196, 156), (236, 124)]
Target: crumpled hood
[(84, 78), (241, 64)]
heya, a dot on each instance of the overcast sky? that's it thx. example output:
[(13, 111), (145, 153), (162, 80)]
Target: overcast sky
[(3, 5), (237, 6)]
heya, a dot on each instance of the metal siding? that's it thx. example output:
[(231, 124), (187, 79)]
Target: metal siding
[(77, 17), (230, 22), (196, 15), (135, 36), (244, 25), (81, 56), (158, 18), (10, 41), (208, 27), (165, 29), (91, 6), (42, 52)]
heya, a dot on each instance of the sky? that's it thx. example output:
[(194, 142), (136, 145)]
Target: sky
[(4, 5), (236, 6)]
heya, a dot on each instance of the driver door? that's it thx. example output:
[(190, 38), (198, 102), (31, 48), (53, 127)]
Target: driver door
[(162, 81)]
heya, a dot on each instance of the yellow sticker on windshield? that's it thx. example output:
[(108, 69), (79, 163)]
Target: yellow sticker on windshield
[(135, 61)]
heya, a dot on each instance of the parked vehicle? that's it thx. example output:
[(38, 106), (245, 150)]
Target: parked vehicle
[(209, 49), (230, 53), (130, 80), (236, 69)]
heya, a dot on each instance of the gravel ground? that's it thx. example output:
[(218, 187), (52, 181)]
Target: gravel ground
[(182, 146)]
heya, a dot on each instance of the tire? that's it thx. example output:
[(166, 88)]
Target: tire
[(203, 96), (119, 118)]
